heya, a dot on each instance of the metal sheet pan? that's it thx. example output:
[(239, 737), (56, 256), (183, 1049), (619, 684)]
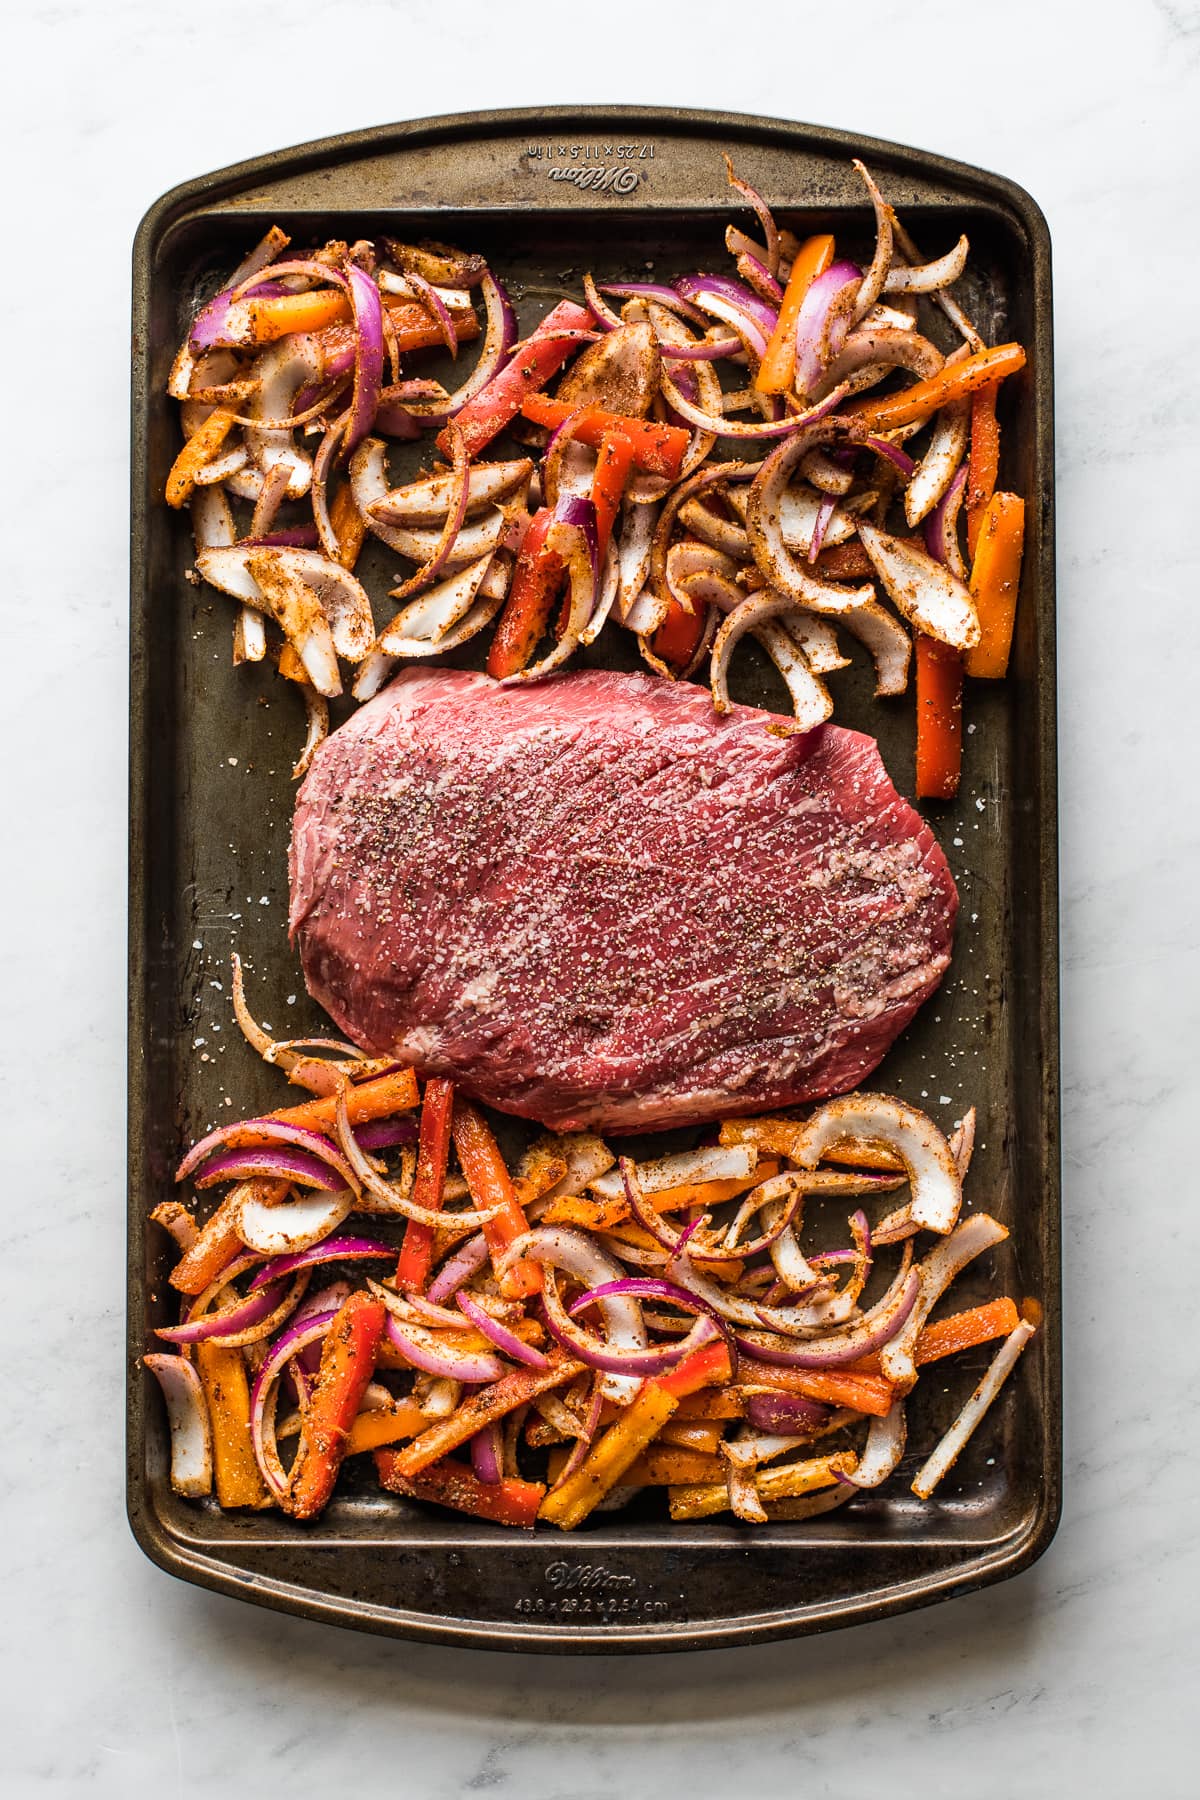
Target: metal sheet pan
[(548, 194)]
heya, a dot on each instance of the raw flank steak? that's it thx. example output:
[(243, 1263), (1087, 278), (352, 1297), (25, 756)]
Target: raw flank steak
[(595, 902)]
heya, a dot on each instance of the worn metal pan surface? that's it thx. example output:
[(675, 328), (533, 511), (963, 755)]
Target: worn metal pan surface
[(547, 195)]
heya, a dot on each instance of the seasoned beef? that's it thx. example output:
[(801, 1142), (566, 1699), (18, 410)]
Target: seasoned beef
[(594, 902)]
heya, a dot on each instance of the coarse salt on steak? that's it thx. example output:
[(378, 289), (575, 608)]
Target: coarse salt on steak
[(594, 902)]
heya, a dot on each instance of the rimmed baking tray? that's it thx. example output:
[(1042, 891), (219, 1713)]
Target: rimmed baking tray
[(547, 194)]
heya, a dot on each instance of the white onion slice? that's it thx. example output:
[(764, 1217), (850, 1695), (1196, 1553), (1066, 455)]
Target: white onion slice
[(888, 642), (634, 540), (765, 524), (212, 521), (587, 1158), (936, 1188), (798, 510), (438, 610), (187, 1416), (947, 1451), (481, 536), (883, 1449), (817, 638), (925, 278), (257, 577), (427, 502), (342, 598), (281, 371), (294, 1224), (622, 372), (812, 702), (213, 474), (936, 1271), (922, 589), (722, 534), (879, 351), (647, 613), (937, 468), (559, 1247), (717, 1162), (872, 282)]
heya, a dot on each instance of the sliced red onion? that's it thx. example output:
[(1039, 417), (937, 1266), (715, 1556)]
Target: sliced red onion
[(735, 428), (295, 537), (263, 1396), (505, 1341), (187, 1418), (655, 1359), (790, 1413), (822, 325), (941, 526), (487, 1455), (228, 1322), (825, 512), (394, 1200), (455, 516), (881, 262), (868, 354), (335, 1249), (422, 1349), (841, 1347), (437, 263), (394, 419), (427, 501), (499, 338), (658, 291), (946, 301), (259, 1132), (368, 355), (648, 1287), (277, 1165), (734, 304), (307, 1361), (466, 1261), (429, 297), (385, 1134), (591, 1425), (214, 329), (764, 520), (756, 275), (558, 1247), (754, 199)]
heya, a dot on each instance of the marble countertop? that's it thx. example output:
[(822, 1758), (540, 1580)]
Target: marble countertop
[(1078, 1676)]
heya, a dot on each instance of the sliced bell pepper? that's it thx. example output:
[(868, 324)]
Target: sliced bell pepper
[(614, 464), (276, 316), (669, 1465), (946, 1337), (657, 449), (570, 1502), (924, 398), (939, 718), (705, 1368), (677, 639), (783, 1483), (222, 1373), (778, 367), (983, 463), (835, 1387), (385, 1425), (349, 526), (490, 1184), (541, 357), (348, 1356), (454, 1484), (711, 1403), (433, 1153), (530, 601), (218, 1242), (482, 1408), (375, 1099), (199, 450), (995, 582), (691, 1434)]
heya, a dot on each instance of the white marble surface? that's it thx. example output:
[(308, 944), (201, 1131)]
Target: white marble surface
[(1080, 1676)]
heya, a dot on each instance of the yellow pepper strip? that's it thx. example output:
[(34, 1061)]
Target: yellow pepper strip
[(666, 1465), (385, 1425), (953, 382), (222, 1373), (199, 450), (570, 1502), (278, 315), (785, 1483), (691, 1434), (778, 367), (995, 580)]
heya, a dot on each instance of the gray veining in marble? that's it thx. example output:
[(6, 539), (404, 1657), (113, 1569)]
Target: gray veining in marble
[(1079, 1677)]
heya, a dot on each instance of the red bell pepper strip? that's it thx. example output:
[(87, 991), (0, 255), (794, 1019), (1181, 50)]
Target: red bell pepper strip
[(347, 1365), (490, 1184), (451, 1483), (709, 1367), (433, 1151), (483, 1407), (939, 719), (613, 467), (530, 600), (658, 449), (541, 356), (677, 639)]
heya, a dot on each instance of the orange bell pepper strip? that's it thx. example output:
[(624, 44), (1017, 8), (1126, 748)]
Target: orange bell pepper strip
[(199, 450), (385, 1425), (275, 316), (786, 1482), (995, 582), (530, 600), (455, 1484), (375, 1099), (924, 398), (691, 1434), (666, 1465), (490, 1184), (570, 1501), (429, 1183), (347, 1365), (222, 1373), (946, 1337), (218, 1242), (657, 449), (939, 719), (778, 367), (482, 1408), (983, 463), (711, 1403), (349, 526), (540, 358), (835, 1387)]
